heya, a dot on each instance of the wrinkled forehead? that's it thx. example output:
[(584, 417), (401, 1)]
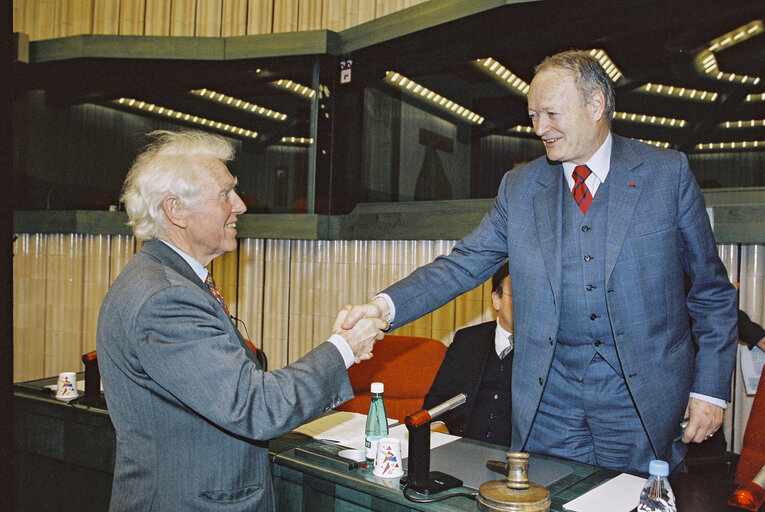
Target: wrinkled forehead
[(211, 168), (552, 88)]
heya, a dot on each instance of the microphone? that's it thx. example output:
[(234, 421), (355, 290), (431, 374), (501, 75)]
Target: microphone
[(423, 416)]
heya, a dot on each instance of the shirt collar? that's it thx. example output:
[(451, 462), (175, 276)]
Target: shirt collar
[(599, 163), (501, 339), (196, 266)]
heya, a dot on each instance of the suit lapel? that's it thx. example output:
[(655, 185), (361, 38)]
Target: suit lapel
[(625, 180), (548, 210)]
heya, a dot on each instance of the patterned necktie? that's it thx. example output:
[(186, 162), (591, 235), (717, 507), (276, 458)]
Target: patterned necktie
[(582, 194), (216, 293), (508, 349)]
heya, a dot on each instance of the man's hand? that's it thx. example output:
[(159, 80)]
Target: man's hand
[(362, 335), (377, 308), (704, 420)]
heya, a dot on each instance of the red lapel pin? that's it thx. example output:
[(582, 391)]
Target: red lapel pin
[(632, 183)]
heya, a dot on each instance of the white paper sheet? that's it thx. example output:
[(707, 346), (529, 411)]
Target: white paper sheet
[(347, 429), (620, 494), (752, 362)]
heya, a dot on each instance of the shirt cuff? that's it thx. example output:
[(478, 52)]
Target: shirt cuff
[(714, 401), (344, 348), (391, 307)]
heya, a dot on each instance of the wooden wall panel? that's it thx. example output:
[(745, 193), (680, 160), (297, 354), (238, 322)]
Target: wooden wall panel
[(250, 297), (73, 17), (285, 16), (332, 14), (182, 17), (276, 302), (106, 17), (303, 277), (95, 285), (29, 306), (36, 18), (234, 18), (260, 16), (157, 18), (132, 14), (45, 19), (208, 18), (121, 249)]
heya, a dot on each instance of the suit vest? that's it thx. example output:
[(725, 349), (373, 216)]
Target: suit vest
[(490, 418), (584, 329)]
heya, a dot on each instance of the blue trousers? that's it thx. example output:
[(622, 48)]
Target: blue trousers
[(592, 421)]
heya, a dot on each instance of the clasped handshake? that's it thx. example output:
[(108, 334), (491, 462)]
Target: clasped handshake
[(362, 325)]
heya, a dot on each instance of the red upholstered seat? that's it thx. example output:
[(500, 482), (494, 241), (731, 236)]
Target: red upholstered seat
[(406, 365), (752, 457)]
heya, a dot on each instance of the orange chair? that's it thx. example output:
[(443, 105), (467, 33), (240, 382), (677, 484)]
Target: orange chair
[(752, 457), (406, 365)]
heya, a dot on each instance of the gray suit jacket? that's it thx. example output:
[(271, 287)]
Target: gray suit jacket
[(669, 343), (192, 408)]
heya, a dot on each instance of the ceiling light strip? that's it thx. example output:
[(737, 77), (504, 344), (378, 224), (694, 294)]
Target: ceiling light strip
[(240, 104), (649, 119), (736, 36), (297, 140), (679, 92), (416, 89), (711, 146), (189, 118), (504, 74), (522, 129), (751, 123), (709, 65), (613, 72), (295, 87), (755, 97)]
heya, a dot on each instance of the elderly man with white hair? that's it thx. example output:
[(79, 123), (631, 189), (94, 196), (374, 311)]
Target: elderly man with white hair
[(192, 407)]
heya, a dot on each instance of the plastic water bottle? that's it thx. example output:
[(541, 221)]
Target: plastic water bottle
[(377, 423), (657, 495)]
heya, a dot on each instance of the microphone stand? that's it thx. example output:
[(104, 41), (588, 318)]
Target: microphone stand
[(419, 477)]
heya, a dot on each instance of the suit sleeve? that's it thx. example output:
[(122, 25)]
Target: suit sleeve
[(748, 331), (471, 262), (711, 300), (186, 348)]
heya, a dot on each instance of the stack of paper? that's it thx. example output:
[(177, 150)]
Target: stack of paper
[(620, 494), (347, 429)]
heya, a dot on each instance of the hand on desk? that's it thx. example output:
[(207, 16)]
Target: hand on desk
[(362, 334), (705, 420)]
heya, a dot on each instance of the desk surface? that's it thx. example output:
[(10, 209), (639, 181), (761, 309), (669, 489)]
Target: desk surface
[(88, 442)]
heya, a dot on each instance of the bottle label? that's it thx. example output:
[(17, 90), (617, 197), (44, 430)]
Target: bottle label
[(370, 447)]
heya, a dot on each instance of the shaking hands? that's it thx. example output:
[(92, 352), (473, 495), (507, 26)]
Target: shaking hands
[(359, 331)]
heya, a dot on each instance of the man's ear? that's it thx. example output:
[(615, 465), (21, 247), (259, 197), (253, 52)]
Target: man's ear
[(597, 105), (496, 300), (174, 212)]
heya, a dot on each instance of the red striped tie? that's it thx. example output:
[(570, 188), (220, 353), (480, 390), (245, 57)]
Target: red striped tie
[(582, 194), (216, 293)]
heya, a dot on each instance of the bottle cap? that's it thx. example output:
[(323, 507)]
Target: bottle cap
[(658, 468), (377, 387)]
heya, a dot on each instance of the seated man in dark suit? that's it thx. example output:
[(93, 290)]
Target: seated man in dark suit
[(479, 363)]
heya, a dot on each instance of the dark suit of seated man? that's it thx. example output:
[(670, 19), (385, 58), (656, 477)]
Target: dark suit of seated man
[(479, 363)]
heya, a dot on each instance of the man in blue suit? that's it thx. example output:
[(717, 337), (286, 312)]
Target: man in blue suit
[(610, 352), (191, 405)]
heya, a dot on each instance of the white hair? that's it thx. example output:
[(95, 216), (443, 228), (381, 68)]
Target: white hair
[(168, 166)]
